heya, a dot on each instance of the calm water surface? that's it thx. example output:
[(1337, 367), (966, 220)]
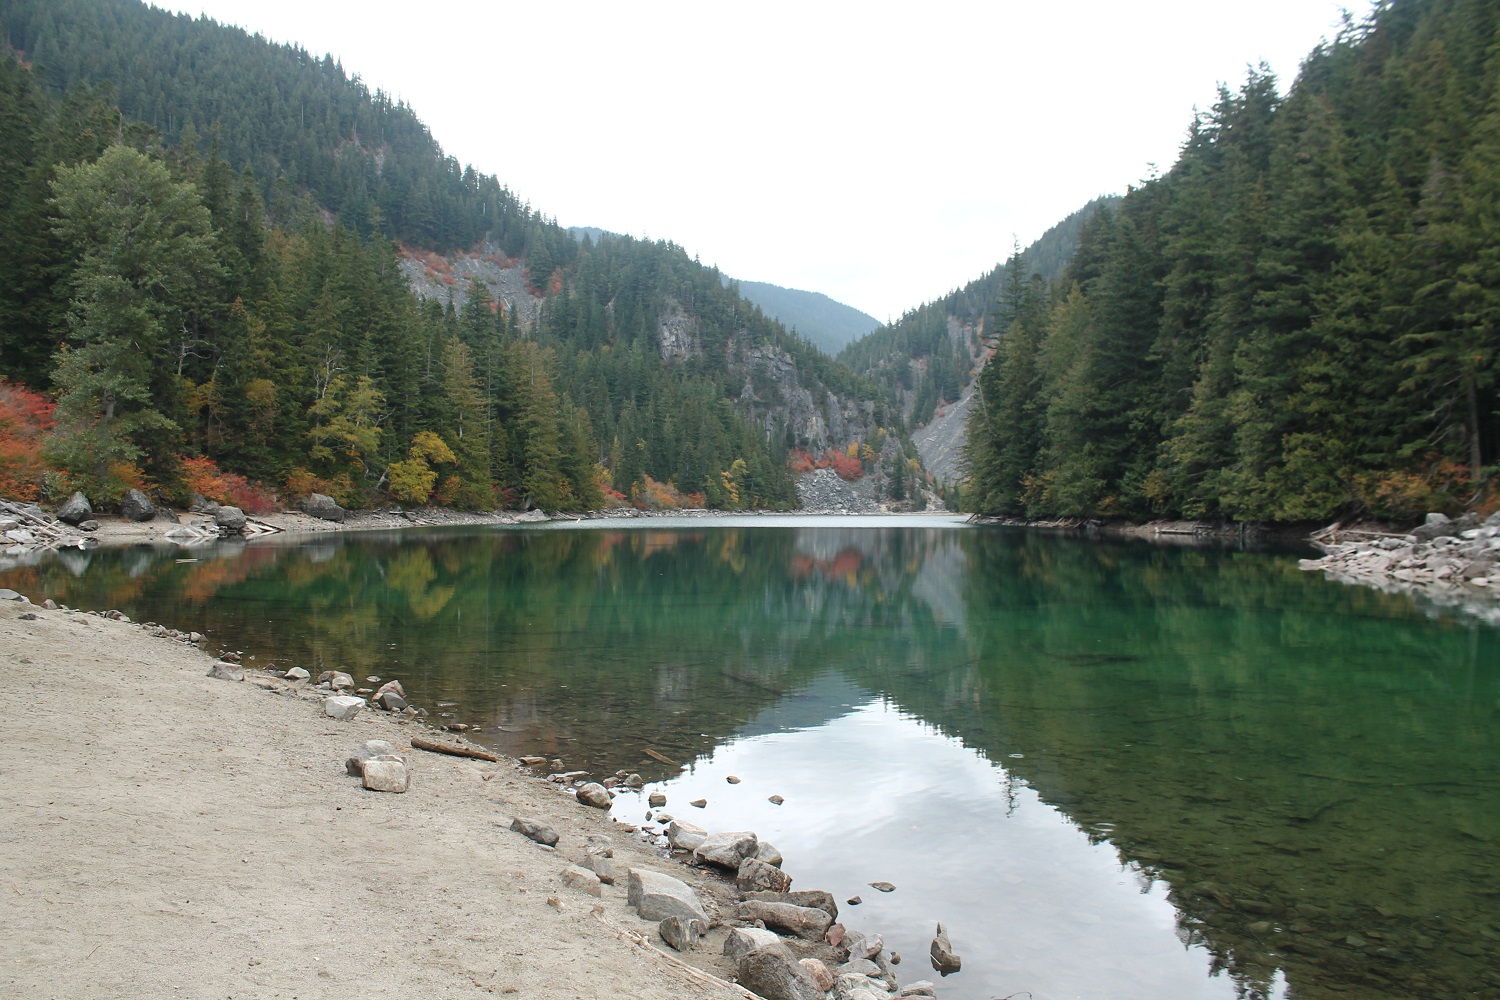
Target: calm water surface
[(1111, 770)]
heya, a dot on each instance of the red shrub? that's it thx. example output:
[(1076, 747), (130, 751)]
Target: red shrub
[(25, 418)]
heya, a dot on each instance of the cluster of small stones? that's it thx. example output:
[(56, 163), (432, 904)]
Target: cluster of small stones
[(787, 944), (1452, 560)]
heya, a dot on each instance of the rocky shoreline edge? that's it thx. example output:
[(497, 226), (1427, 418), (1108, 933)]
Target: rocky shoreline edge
[(1452, 562), (743, 923)]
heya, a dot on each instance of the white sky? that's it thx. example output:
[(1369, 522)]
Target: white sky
[(879, 153)]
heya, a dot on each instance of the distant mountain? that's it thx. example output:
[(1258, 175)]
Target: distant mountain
[(829, 324)]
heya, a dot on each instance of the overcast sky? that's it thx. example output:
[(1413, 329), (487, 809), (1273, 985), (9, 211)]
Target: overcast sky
[(879, 153)]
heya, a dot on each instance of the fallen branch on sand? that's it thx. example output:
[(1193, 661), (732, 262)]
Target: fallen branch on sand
[(452, 749)]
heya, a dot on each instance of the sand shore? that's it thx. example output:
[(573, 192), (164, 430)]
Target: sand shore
[(166, 834)]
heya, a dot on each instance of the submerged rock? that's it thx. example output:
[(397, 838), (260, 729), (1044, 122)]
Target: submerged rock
[(944, 960)]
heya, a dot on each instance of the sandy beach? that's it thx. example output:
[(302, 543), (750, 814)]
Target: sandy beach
[(168, 834)]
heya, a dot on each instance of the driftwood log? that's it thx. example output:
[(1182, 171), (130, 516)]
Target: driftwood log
[(452, 749)]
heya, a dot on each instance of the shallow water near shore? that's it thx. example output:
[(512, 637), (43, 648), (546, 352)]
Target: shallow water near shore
[(1112, 770)]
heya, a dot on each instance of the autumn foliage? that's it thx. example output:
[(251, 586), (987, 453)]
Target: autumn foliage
[(648, 494), (204, 477), (25, 418), (847, 466)]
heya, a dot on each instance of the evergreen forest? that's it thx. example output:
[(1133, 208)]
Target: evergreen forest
[(1299, 321), (202, 292)]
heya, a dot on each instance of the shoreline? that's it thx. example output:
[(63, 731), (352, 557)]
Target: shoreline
[(148, 804)]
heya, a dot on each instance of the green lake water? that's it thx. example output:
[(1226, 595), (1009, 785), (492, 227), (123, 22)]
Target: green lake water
[(1112, 770)]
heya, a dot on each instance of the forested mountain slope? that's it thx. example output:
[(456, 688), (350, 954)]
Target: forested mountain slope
[(927, 357), (828, 324), (296, 355), (1301, 319)]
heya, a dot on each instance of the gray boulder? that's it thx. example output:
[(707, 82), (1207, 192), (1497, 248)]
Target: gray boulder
[(226, 671), (775, 973), (767, 852), (757, 876), (390, 701), (230, 518), (920, 988), (681, 933), (89, 525), (807, 922), (656, 800), (802, 897), (297, 674), (75, 510), (594, 794), (582, 880), (342, 707), (535, 830), (370, 749), (324, 507), (336, 679), (600, 860), (944, 960), (743, 940), (136, 506), (684, 835), (386, 774), (657, 897), (726, 850)]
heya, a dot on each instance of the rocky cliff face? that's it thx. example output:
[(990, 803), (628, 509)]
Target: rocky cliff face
[(940, 441), (449, 279)]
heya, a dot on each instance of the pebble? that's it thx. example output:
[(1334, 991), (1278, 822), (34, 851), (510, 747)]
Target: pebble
[(776, 800), (732, 780), (699, 803), (854, 900), (882, 886)]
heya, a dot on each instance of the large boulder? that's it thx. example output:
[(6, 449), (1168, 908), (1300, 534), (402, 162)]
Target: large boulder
[(726, 850), (594, 794), (324, 507), (75, 510), (744, 940), (342, 707), (369, 750), (386, 774), (136, 506), (684, 835), (775, 973), (231, 519), (807, 922), (757, 876), (818, 898), (657, 896), (226, 671)]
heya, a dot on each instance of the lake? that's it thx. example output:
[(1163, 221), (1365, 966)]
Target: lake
[(1111, 769)]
